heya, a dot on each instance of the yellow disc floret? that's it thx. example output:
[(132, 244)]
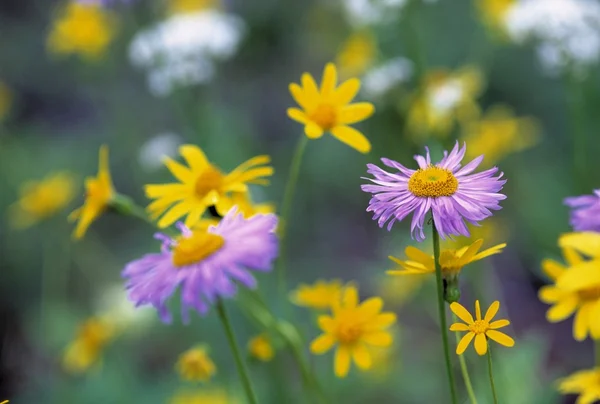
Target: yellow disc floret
[(432, 182), (195, 248)]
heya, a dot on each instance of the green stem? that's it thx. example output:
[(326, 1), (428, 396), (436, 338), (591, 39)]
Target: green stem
[(489, 361), (126, 206), (241, 367), (464, 370), (286, 207), (442, 309)]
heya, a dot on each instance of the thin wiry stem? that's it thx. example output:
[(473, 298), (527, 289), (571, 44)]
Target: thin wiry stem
[(489, 361), (464, 370)]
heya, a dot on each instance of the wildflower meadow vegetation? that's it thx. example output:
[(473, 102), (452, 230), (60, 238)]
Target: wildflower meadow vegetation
[(325, 201)]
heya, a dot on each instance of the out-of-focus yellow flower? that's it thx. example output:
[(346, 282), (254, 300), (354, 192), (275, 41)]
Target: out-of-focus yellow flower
[(212, 396), (320, 296), (493, 14), (585, 383), (576, 286), (443, 99), (4, 402), (93, 335), (357, 54), (499, 133), (82, 28), (480, 329), (190, 6), (195, 365), (99, 192), (5, 100), (201, 186), (42, 199), (399, 289), (354, 328), (328, 108), (260, 347)]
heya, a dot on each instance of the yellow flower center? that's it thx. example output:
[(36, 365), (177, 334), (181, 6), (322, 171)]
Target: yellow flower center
[(432, 182), (589, 294), (211, 179), (195, 248), (325, 116), (348, 332), (479, 327), (99, 191)]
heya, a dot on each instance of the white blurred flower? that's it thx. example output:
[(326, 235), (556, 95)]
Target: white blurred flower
[(381, 79), (116, 308), (446, 96), (567, 31), (372, 12), (154, 150), (182, 50)]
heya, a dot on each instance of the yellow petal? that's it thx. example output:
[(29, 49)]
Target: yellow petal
[(310, 88), (382, 321), (313, 131), (179, 171), (346, 92), (500, 338), (477, 310), (552, 268), (480, 344), (355, 112), (459, 327), (297, 115), (582, 276), (551, 294), (89, 213), (329, 81), (379, 338), (499, 324), (497, 249), (342, 361), (491, 311), (194, 217), (362, 357), (350, 297), (370, 307), (469, 252), (572, 257), (595, 320), (299, 96), (103, 165), (419, 256), (194, 157), (174, 214), (352, 138), (464, 343), (412, 266), (461, 312), (166, 190), (326, 323), (587, 243), (322, 344), (562, 309), (581, 324)]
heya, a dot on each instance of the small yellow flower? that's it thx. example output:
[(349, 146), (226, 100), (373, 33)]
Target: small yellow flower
[(201, 186), (357, 54), (480, 329), (354, 328), (451, 261), (328, 108), (493, 15), (99, 192), (5, 100), (576, 286), (42, 199), (320, 296), (195, 365), (92, 336), (191, 6), (82, 28), (212, 396), (260, 347), (585, 383)]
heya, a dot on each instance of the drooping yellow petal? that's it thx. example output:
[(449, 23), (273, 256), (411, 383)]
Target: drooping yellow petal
[(362, 357), (322, 344), (581, 325), (497, 249), (419, 256), (461, 312), (313, 131), (352, 138), (370, 307), (500, 338), (464, 343), (552, 268), (297, 115), (342, 361), (379, 338), (481, 344), (459, 327), (562, 309), (491, 311), (469, 253), (329, 81), (587, 242), (499, 324), (355, 112)]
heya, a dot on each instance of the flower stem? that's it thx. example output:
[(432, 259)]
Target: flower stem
[(241, 367), (286, 207), (126, 206), (464, 370), (442, 309), (489, 361)]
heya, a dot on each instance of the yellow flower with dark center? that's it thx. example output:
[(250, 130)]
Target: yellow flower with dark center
[(576, 286), (82, 28), (357, 54), (195, 365), (191, 6), (260, 347), (42, 199), (99, 193), (202, 185), (211, 396), (85, 350), (5, 100), (322, 295), (493, 14), (328, 108), (478, 328), (585, 383), (451, 261), (354, 328)]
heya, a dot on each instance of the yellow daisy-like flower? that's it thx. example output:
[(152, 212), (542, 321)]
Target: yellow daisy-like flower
[(190, 6), (5, 100), (499, 133), (493, 15), (322, 295), (212, 396), (328, 108), (201, 186), (260, 347), (585, 383), (42, 199), (451, 261), (195, 365), (443, 99), (82, 28), (99, 193), (92, 336), (576, 286), (480, 329), (357, 54), (354, 328)]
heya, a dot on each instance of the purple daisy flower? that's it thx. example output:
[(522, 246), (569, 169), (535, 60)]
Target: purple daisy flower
[(452, 193), (585, 215), (205, 263)]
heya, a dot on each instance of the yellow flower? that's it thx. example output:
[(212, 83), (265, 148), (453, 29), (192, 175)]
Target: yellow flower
[(443, 99), (212, 396), (585, 383), (85, 350), (5, 101), (328, 108), (4, 402), (260, 347), (451, 261), (576, 286), (493, 14), (357, 54), (354, 328), (195, 365), (99, 192), (201, 186), (83, 28), (320, 296), (191, 6), (399, 290), (42, 199), (499, 133), (480, 329)]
